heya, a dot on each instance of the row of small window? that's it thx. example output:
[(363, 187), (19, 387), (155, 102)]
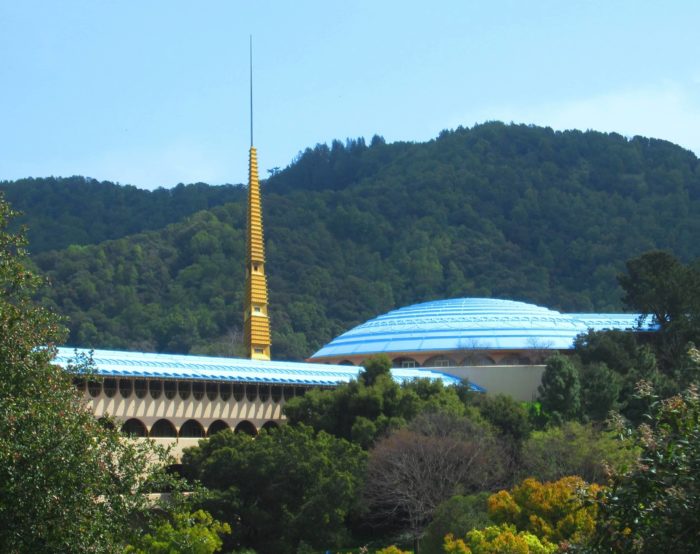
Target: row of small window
[(164, 428), (444, 361), (184, 389)]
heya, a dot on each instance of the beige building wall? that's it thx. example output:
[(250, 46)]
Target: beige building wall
[(252, 408), (176, 410), (518, 381)]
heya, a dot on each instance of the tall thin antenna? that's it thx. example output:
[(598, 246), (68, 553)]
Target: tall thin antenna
[(251, 91)]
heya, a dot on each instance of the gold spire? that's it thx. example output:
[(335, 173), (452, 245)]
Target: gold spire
[(256, 327)]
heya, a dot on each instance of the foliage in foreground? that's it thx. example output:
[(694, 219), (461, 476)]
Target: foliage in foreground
[(67, 483), (368, 408), (188, 533), (556, 512), (576, 449), (498, 539), (654, 507), (287, 487), (457, 515)]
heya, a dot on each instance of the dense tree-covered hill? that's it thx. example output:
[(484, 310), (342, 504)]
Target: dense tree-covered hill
[(76, 210), (353, 230)]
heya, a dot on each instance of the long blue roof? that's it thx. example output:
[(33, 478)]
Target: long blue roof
[(470, 323), (143, 365)]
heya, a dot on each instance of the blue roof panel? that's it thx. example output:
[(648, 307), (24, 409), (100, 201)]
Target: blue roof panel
[(170, 366)]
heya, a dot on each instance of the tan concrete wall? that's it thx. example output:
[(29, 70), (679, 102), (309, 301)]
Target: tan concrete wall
[(176, 445), (177, 410), (518, 381)]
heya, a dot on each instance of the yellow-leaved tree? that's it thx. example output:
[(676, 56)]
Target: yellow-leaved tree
[(558, 512)]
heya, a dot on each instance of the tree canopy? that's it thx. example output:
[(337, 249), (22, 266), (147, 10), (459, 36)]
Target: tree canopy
[(68, 483), (287, 487)]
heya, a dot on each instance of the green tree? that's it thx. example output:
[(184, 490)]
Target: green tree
[(575, 449), (653, 506), (498, 539), (362, 413), (507, 416), (457, 515), (285, 487), (560, 391), (661, 287), (600, 390), (67, 483), (375, 366), (630, 360), (187, 533)]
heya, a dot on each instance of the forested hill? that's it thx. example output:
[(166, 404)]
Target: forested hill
[(354, 230), (76, 210)]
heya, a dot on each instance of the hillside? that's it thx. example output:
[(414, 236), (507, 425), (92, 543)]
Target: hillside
[(75, 210), (353, 230)]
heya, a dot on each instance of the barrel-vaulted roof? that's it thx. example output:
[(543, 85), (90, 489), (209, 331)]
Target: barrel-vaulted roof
[(470, 324), (140, 365)]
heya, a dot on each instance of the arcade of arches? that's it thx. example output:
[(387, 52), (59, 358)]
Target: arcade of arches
[(180, 412)]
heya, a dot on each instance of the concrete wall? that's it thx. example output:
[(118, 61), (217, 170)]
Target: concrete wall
[(149, 410), (518, 381)]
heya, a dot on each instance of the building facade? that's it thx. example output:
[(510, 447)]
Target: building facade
[(177, 400)]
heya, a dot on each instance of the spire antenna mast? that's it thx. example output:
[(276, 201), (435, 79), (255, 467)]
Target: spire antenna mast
[(256, 323), (251, 90)]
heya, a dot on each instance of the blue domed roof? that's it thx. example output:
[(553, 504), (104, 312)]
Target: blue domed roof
[(469, 323)]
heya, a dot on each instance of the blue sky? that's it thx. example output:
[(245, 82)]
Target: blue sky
[(153, 93)]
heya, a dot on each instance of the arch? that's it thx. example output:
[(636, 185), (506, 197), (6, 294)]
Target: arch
[(510, 359), (251, 392), (345, 362), (155, 388), (300, 391), (478, 360), (225, 391), (94, 388), (184, 389), (264, 392), (170, 389), (191, 429), (216, 427), (276, 393), (404, 361), (288, 392), (79, 384), (134, 428), (212, 391), (109, 386), (163, 428), (270, 425), (198, 390), (238, 392), (439, 361), (126, 387), (247, 427), (140, 388)]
